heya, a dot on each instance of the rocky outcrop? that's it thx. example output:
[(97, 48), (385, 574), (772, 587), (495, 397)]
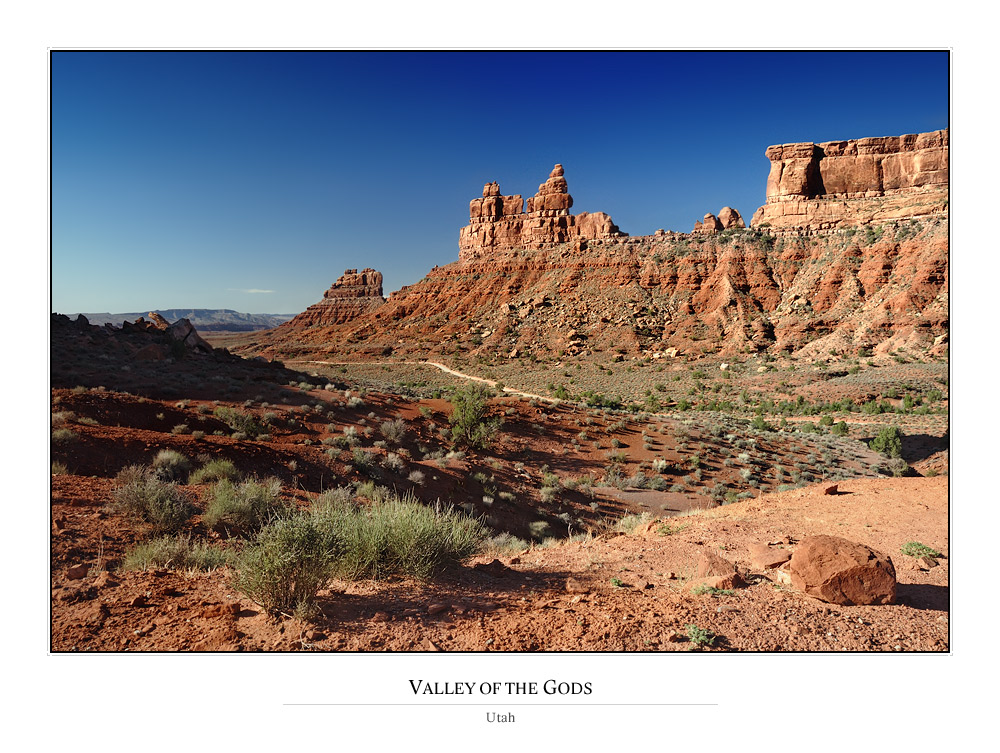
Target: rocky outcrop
[(587, 288), (352, 295), (181, 331), (184, 332), (728, 219), (497, 223), (848, 183), (843, 572)]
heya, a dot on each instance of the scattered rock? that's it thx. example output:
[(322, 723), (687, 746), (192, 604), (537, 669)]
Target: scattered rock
[(95, 615), (438, 608), (763, 557), (221, 610), (832, 489), (77, 572), (104, 580), (719, 570), (574, 586), (839, 571), (495, 569), (77, 592)]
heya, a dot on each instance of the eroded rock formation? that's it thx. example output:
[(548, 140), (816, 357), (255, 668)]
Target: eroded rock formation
[(497, 223), (728, 219), (861, 181), (353, 294), (588, 288)]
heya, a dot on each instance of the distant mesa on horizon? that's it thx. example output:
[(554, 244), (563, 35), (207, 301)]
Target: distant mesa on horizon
[(205, 320)]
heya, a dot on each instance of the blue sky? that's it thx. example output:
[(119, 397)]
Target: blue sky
[(251, 180)]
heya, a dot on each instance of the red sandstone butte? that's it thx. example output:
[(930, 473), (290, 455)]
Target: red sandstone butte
[(847, 183), (352, 295), (498, 224)]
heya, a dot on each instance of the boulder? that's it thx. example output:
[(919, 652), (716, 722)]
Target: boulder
[(843, 572), (764, 557), (715, 571), (183, 331)]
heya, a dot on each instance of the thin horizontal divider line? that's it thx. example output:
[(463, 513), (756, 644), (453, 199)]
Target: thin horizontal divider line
[(499, 702)]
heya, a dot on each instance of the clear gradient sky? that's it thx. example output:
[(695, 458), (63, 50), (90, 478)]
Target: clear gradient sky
[(251, 180)]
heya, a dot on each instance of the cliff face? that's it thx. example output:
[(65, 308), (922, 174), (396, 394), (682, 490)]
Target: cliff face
[(352, 295), (726, 293), (847, 183), (543, 281)]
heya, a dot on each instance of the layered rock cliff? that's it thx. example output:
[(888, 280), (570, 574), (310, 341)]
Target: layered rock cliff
[(856, 257), (848, 183), (351, 296)]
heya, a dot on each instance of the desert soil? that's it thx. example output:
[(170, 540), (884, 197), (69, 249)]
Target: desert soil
[(610, 592)]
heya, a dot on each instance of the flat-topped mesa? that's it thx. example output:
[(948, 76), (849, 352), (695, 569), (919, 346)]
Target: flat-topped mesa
[(353, 294), (856, 182), (499, 223)]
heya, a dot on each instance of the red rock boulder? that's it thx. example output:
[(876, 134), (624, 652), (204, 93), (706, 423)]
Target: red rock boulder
[(715, 571), (843, 572)]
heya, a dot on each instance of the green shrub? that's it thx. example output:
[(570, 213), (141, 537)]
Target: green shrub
[(141, 495), (287, 563), (176, 552), (245, 507), (700, 636), (170, 465), (362, 460), (63, 436), (702, 589), (215, 470), (916, 549), (839, 429), (629, 523), (393, 431), (395, 535), (888, 441), (470, 426), (239, 422), (504, 544)]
